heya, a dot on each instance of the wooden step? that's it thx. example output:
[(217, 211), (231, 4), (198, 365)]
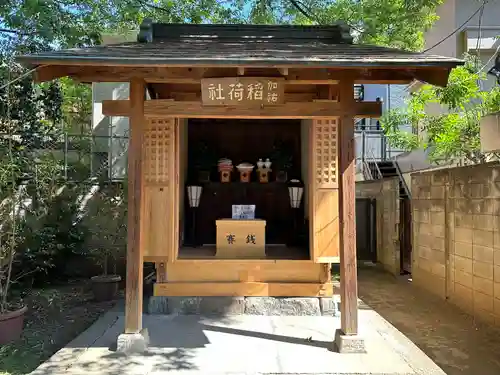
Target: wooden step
[(243, 289)]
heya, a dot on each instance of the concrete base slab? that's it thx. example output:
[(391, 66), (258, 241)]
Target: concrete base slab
[(221, 306), (240, 344), (133, 343), (243, 344), (348, 343)]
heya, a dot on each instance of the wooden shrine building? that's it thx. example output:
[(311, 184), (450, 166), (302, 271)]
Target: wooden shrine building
[(241, 158)]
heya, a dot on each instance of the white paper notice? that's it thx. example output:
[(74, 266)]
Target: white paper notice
[(243, 211)]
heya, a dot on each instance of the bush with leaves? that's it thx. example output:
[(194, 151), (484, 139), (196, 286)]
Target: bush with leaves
[(451, 132), (53, 238), (106, 220), (29, 117)]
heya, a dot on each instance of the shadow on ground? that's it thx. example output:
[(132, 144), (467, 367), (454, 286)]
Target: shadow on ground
[(172, 347), (227, 344), (454, 340)]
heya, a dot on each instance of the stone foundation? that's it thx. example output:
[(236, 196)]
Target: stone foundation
[(133, 343), (348, 344), (296, 306)]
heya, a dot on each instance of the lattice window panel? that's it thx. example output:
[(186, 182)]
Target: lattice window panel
[(158, 150), (325, 152)]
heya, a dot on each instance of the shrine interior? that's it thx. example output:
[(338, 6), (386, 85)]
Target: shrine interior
[(208, 141)]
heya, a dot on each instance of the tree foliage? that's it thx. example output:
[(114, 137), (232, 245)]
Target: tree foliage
[(445, 121), (393, 23), (106, 242), (30, 25), (29, 115)]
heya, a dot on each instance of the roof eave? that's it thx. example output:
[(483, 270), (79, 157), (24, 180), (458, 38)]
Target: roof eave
[(36, 60)]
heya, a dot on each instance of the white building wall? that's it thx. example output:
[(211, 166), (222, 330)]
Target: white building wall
[(444, 26), (482, 41), (470, 38), (111, 132)]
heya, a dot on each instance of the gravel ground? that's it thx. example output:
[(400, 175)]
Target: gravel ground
[(56, 316)]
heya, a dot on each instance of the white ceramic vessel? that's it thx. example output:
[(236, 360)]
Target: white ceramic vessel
[(245, 167), (267, 163)]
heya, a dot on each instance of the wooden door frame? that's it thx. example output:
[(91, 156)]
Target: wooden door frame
[(346, 110)]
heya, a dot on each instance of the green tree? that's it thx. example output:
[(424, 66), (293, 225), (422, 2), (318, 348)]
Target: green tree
[(76, 106), (392, 23), (30, 25), (450, 131)]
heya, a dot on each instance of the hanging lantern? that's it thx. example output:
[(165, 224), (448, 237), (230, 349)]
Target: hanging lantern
[(295, 193), (194, 194)]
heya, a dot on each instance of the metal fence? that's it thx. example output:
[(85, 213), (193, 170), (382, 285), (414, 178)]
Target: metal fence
[(83, 156), (93, 155)]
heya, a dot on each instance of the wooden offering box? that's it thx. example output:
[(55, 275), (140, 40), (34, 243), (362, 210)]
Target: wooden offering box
[(241, 238)]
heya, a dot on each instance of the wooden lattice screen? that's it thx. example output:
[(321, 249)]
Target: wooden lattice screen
[(158, 150), (323, 190), (324, 137), (160, 168)]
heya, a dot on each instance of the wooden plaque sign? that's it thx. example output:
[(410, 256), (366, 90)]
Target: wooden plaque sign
[(242, 91)]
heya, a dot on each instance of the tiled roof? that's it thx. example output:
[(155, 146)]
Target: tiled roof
[(163, 44)]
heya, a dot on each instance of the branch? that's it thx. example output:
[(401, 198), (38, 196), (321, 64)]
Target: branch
[(17, 32), (303, 11), (20, 276), (142, 2)]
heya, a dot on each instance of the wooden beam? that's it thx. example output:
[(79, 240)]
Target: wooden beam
[(116, 108), (50, 72), (155, 258), (185, 75), (161, 272), (347, 212), (434, 77), (176, 184), (134, 282), (314, 76), (283, 71), (326, 273), (243, 289), (303, 110)]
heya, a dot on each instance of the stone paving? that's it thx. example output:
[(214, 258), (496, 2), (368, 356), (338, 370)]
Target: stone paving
[(241, 345), (249, 344), (451, 338)]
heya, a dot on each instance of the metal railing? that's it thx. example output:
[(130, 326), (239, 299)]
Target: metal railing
[(402, 180), (374, 142)]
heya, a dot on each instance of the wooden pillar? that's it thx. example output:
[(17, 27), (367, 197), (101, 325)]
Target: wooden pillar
[(135, 237), (347, 212)]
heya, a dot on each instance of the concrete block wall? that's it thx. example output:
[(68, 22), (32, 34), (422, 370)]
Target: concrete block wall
[(456, 241), (386, 194)]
